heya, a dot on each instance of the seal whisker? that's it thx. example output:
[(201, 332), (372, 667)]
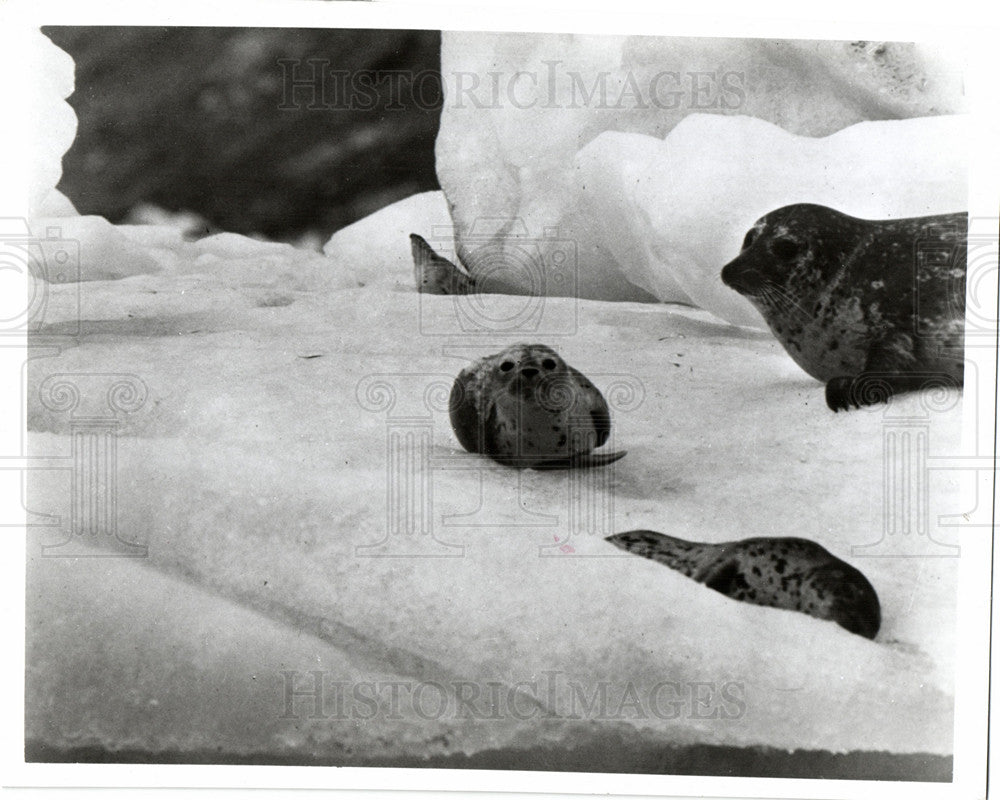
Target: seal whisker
[(784, 302)]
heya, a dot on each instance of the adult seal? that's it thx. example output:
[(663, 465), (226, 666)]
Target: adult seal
[(789, 573), (526, 407), (870, 307)]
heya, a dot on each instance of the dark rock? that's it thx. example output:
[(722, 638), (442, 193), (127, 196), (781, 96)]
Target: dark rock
[(209, 120)]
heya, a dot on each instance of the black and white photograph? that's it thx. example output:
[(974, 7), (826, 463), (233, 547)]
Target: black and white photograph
[(580, 402)]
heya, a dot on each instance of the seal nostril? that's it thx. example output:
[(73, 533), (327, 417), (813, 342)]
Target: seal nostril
[(742, 278), (529, 372)]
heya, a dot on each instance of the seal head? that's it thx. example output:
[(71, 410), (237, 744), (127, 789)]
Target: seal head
[(871, 308), (526, 407)]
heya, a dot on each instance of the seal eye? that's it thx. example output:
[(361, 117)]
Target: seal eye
[(548, 363), (749, 238), (507, 366), (785, 249)]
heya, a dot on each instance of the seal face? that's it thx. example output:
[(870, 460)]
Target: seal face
[(437, 275), (526, 407), (871, 308), (794, 574)]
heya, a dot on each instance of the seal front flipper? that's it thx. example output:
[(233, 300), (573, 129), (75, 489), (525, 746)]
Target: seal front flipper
[(600, 415), (870, 388), (434, 274), (582, 461), (890, 369), (463, 413)]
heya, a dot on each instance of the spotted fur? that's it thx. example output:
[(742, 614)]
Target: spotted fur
[(871, 308), (789, 573), (526, 407), (437, 275)]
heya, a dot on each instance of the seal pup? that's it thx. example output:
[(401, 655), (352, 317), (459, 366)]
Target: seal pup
[(526, 407), (435, 274), (870, 307), (795, 574)]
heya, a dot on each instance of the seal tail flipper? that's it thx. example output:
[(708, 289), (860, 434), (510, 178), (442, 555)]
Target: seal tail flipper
[(434, 274), (679, 554), (582, 461)]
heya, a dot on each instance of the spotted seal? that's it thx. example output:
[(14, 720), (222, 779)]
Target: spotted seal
[(526, 407), (870, 307), (795, 574), (435, 274)]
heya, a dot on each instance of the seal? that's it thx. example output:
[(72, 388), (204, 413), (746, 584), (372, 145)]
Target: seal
[(872, 308), (526, 407), (789, 573), (435, 274)]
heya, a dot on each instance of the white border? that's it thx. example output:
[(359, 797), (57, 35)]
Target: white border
[(961, 23)]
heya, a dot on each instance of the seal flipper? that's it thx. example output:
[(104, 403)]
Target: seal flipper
[(692, 559), (464, 415), (602, 425), (600, 416), (434, 274), (492, 445), (889, 370), (581, 461), (871, 388)]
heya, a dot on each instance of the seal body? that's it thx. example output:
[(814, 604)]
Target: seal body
[(789, 573), (871, 308), (437, 275), (526, 407)]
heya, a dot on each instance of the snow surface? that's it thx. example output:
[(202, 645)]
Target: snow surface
[(257, 471), (274, 390)]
